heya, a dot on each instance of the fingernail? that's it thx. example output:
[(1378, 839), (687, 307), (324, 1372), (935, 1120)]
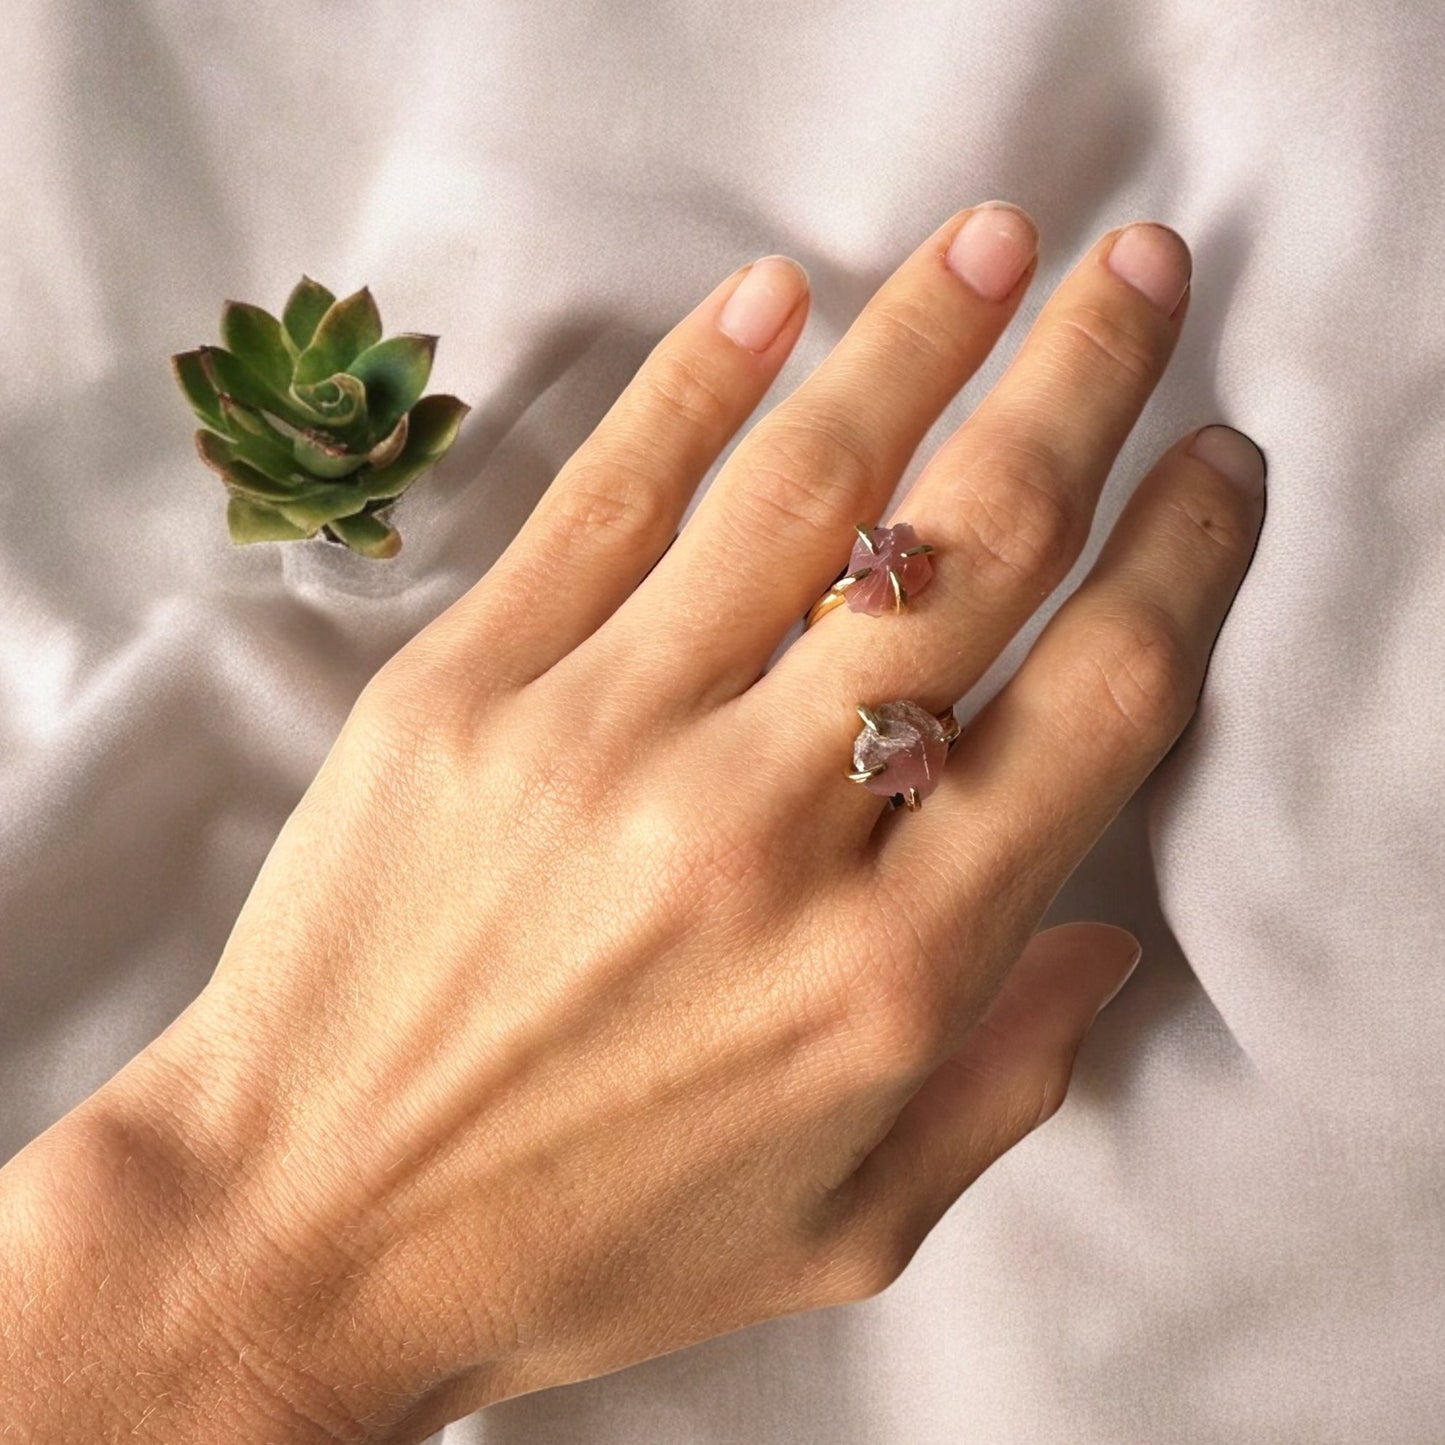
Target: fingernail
[(1154, 260), (763, 301), (1232, 453), (1128, 974), (993, 249)]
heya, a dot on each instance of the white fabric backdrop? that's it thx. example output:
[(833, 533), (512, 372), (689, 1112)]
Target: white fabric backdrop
[(1235, 1231)]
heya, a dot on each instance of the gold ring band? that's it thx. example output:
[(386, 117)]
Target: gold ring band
[(832, 598)]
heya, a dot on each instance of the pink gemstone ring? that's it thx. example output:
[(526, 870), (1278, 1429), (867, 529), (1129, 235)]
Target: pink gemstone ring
[(901, 750), (888, 566)]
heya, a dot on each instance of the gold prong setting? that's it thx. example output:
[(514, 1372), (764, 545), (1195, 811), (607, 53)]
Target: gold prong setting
[(888, 567), (900, 751)]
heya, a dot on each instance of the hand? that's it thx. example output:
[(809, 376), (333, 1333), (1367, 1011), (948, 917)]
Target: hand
[(584, 1009)]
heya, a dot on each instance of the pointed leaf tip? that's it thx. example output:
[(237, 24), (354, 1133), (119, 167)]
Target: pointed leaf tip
[(432, 428), (348, 328), (308, 303), (255, 337), (435, 421), (395, 373), (196, 386)]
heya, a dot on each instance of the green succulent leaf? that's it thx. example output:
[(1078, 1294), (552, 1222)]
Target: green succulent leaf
[(255, 443), (348, 328), (368, 534), (323, 457), (388, 449), (241, 419), (395, 373), (323, 505), (336, 402), (434, 423), (219, 453), (281, 426), (230, 376), (249, 521), (432, 427), (254, 337), (305, 307), (196, 385)]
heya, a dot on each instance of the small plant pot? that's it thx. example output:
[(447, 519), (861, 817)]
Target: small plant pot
[(321, 569)]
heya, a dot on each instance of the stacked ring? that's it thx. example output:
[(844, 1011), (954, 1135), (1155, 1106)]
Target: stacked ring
[(902, 747)]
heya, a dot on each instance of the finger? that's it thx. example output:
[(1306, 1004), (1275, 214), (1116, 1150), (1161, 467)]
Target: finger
[(1009, 500), (778, 521), (1009, 1075), (614, 508), (1106, 689)]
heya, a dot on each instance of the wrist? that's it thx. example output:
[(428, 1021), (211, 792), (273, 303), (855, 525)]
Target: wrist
[(114, 1313), (146, 1275)]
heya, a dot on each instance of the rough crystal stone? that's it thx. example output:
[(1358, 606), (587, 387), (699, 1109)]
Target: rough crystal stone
[(910, 744), (874, 594)]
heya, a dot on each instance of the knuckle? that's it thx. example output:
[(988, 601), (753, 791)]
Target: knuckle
[(1018, 530), (394, 756), (856, 1264), (805, 470), (902, 1028), (615, 497), (1093, 338), (1144, 681), (682, 861), (679, 387), (890, 1008), (412, 705)]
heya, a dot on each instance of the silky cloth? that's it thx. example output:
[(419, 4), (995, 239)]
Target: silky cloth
[(1233, 1231)]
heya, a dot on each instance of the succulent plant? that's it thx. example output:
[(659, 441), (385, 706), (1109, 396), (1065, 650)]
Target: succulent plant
[(314, 422)]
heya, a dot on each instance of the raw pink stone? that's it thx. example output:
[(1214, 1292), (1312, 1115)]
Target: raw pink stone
[(910, 743), (874, 594)]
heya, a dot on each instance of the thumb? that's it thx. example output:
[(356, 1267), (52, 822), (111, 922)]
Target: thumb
[(1010, 1074)]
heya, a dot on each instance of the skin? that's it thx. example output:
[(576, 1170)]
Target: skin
[(583, 1010)]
